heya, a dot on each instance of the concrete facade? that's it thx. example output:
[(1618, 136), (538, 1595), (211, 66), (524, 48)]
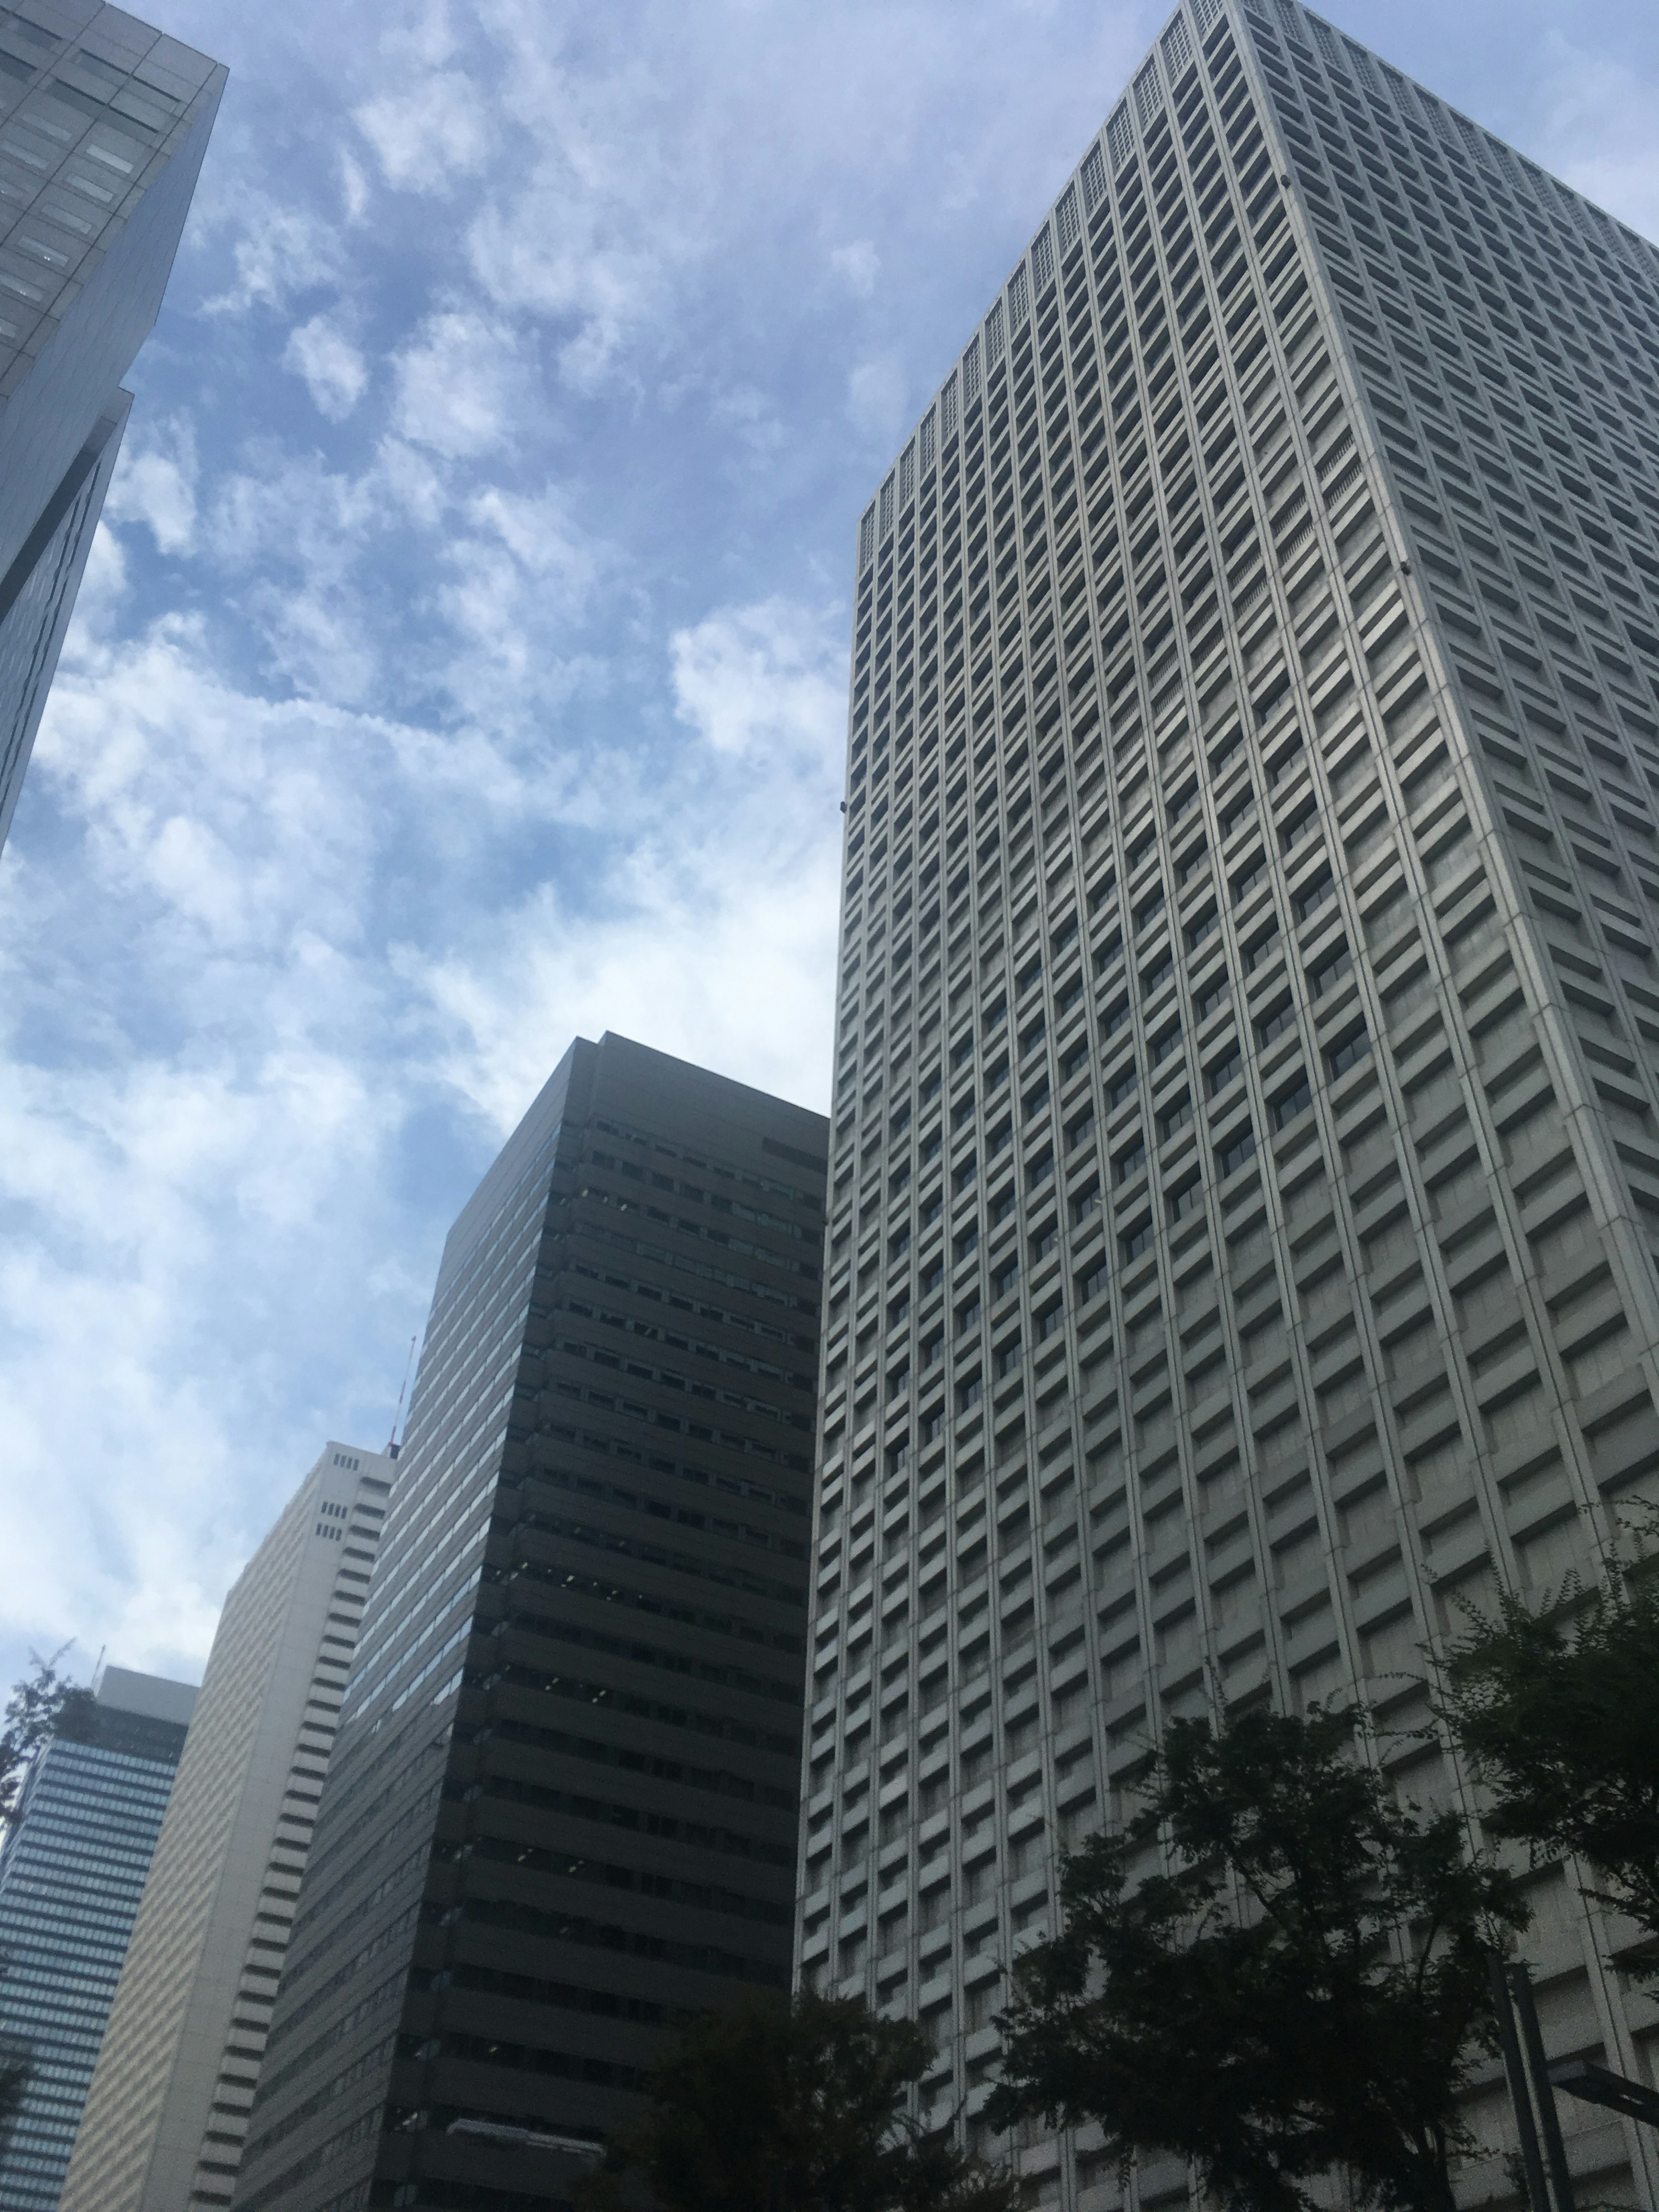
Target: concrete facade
[(168, 2112), (562, 1815), (103, 125), (71, 1876), (1245, 1184)]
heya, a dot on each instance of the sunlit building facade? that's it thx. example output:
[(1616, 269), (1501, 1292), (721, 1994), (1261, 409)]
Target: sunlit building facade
[(168, 2112)]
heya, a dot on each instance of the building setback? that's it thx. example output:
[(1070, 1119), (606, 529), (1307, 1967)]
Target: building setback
[(103, 125), (1245, 1185), (168, 2112), (71, 1878), (560, 1816)]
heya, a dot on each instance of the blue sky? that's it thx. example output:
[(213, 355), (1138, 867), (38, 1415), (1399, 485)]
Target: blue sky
[(461, 664)]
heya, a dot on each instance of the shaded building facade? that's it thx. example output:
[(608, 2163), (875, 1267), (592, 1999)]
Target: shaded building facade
[(561, 1814), (103, 125), (168, 2112), (1245, 1185), (71, 1876)]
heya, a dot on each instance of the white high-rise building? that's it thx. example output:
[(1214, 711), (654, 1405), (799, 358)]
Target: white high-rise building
[(1246, 1155), (167, 2115)]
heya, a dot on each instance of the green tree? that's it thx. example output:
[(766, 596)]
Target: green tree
[(774, 2106), (1559, 1712), (36, 1706), (1302, 1989)]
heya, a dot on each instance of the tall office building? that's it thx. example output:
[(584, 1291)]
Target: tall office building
[(71, 1878), (1246, 1175), (168, 2112), (562, 1813), (103, 125)]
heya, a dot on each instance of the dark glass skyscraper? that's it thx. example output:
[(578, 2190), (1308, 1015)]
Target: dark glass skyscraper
[(103, 125), (561, 1814), (71, 1878), (1246, 1183)]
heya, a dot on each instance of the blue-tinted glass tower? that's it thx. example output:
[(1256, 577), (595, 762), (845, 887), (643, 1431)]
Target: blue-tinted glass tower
[(70, 1877)]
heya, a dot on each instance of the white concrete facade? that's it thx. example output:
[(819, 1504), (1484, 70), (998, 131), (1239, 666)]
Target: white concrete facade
[(167, 2115)]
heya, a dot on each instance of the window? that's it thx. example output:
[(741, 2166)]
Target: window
[(1289, 1103), (1214, 995), (1130, 1161), (968, 1316), (1331, 971), (1086, 1203), (1009, 1356), (1222, 1071), (1185, 1200), (1275, 1022), (1310, 901), (1135, 1241), (1006, 1278), (1238, 1148), (1348, 1051), (1126, 1086), (1176, 1116), (970, 1392)]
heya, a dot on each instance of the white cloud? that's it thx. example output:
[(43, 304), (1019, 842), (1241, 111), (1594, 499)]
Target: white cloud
[(430, 136), (857, 265), (761, 676), (336, 373), (155, 481), (461, 385), (277, 251)]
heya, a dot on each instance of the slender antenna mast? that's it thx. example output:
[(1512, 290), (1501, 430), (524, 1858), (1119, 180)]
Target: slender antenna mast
[(392, 1441)]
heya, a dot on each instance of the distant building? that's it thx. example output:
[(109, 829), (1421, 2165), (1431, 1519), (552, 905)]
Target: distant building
[(103, 125), (72, 1875), (560, 1816), (168, 2112)]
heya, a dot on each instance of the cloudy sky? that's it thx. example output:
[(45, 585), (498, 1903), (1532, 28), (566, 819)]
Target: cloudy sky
[(460, 664)]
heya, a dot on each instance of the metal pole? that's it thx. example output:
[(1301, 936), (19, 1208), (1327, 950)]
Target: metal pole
[(1555, 2150), (1520, 2097)]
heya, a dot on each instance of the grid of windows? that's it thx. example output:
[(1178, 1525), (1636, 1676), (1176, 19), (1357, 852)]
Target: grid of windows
[(594, 1559), (1245, 1093), (70, 1879), (167, 2115)]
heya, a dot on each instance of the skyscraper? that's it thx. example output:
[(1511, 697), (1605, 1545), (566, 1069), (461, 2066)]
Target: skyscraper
[(561, 1811), (1246, 1186), (70, 1877), (168, 2112), (103, 125)]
